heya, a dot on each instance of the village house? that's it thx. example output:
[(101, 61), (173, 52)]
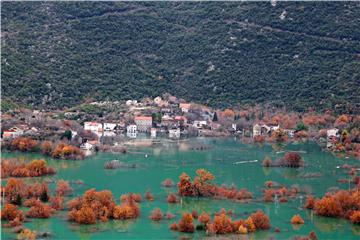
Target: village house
[(90, 145), (153, 132), (256, 130), (185, 107), (199, 124), (180, 120), (132, 128), (166, 110), (290, 132), (174, 133), (13, 132), (166, 120), (270, 128), (110, 126), (158, 100), (131, 102), (121, 126), (143, 123), (93, 126), (332, 134)]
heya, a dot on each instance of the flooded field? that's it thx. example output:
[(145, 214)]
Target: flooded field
[(231, 161)]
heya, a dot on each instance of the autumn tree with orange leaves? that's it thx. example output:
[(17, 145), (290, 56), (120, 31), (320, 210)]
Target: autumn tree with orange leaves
[(23, 144)]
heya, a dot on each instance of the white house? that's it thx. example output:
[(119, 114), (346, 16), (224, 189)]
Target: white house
[(185, 107), (332, 133), (199, 124), (256, 130), (89, 145), (290, 132), (174, 133), (157, 100), (93, 126), (131, 102), (109, 126), (132, 128), (270, 128), (153, 132), (13, 133)]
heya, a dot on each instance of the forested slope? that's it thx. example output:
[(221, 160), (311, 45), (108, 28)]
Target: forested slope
[(297, 54)]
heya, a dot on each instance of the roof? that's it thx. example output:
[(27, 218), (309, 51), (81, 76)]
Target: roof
[(143, 118), (180, 118), (185, 105), (92, 123), (13, 129)]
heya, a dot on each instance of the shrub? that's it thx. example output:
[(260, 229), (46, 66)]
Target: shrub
[(156, 214), (355, 217), (26, 234), (249, 224), (174, 226), (40, 210), (57, 203), (169, 215), (172, 198), (204, 218), (66, 151), (10, 212), (222, 224), (292, 160), (46, 147), (327, 206), (296, 219), (167, 183), (310, 202), (186, 223), (261, 220), (23, 144), (101, 204), (84, 215), (63, 188), (15, 190), (242, 230), (149, 196), (267, 162)]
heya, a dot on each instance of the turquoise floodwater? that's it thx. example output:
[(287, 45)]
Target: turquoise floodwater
[(168, 159)]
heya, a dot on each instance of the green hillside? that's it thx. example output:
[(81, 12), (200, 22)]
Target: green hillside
[(297, 54)]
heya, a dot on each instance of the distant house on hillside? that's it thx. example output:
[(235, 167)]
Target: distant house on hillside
[(131, 102), (180, 120), (93, 126), (332, 133), (271, 127), (110, 126), (13, 133), (143, 123), (185, 107), (157, 100), (90, 145), (256, 130), (290, 132), (199, 124)]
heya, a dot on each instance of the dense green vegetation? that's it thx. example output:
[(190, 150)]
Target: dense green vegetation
[(58, 54)]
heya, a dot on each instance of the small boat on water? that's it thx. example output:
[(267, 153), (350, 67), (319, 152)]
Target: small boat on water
[(250, 161)]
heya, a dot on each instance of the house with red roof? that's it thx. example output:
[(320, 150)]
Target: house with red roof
[(143, 123)]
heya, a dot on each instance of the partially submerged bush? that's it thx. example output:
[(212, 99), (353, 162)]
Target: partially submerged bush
[(297, 219), (291, 160)]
